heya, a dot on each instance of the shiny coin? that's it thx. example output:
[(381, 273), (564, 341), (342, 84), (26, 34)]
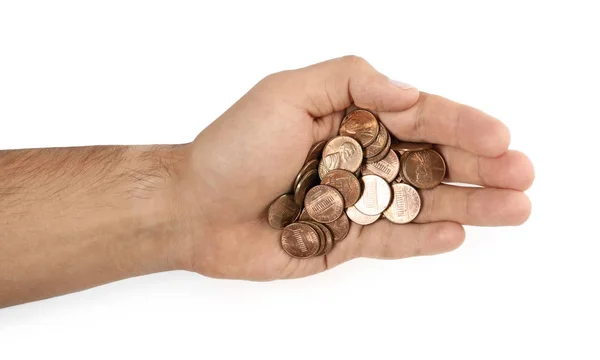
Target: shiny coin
[(324, 203), (283, 211), (379, 144), (346, 183), (361, 125), (300, 240), (382, 154), (310, 179), (309, 165), (405, 146), (405, 206), (376, 195), (339, 228), (341, 152), (360, 218), (387, 168), (315, 151), (424, 169)]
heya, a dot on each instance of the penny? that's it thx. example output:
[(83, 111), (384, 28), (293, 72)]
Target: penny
[(320, 233), (379, 144), (361, 125), (342, 152), (315, 151), (360, 218), (312, 164), (383, 153), (304, 216), (376, 195), (283, 211), (324, 204), (405, 206), (410, 146), (300, 240), (349, 109), (339, 228), (327, 240), (387, 168), (346, 183), (424, 169), (310, 179)]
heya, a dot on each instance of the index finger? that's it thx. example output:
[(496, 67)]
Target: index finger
[(437, 120)]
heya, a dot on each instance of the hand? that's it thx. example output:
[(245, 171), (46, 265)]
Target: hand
[(251, 154)]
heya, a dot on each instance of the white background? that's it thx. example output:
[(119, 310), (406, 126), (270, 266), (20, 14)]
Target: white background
[(135, 72)]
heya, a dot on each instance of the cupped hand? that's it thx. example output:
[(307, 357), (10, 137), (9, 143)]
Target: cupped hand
[(251, 154)]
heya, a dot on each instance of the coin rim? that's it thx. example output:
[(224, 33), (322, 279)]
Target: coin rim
[(392, 203)]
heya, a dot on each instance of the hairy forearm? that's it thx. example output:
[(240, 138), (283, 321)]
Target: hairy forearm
[(73, 218)]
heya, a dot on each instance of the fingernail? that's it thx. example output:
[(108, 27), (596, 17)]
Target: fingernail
[(401, 84)]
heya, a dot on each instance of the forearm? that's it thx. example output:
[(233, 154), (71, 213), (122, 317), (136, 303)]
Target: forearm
[(73, 218)]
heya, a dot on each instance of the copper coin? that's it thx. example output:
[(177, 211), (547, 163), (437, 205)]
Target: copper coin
[(283, 211), (376, 195), (327, 239), (304, 216), (349, 109), (346, 183), (300, 240), (360, 218), (339, 228), (315, 151), (309, 165), (310, 179), (361, 125), (424, 169), (382, 154), (387, 168), (410, 146), (320, 233), (379, 144), (324, 203), (405, 205), (342, 152)]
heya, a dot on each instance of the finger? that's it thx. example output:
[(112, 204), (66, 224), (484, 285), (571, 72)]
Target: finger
[(333, 85), (511, 170), (474, 206), (385, 240), (437, 120)]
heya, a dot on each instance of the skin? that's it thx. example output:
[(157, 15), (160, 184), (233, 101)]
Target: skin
[(74, 218)]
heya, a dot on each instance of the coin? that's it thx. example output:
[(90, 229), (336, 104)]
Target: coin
[(315, 151), (349, 109), (339, 228), (379, 144), (375, 197), (424, 169), (361, 125), (310, 179), (324, 203), (342, 152), (312, 164), (300, 240), (346, 183), (304, 216), (320, 233), (405, 206), (283, 211), (410, 146), (383, 153), (327, 239), (387, 168), (360, 218)]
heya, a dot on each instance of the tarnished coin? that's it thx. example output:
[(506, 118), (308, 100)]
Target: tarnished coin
[(383, 153), (379, 144), (283, 211), (300, 240), (339, 228), (309, 165), (342, 152), (315, 151), (327, 239), (304, 216), (405, 146), (310, 179), (360, 218), (324, 203), (346, 183), (424, 169), (361, 125), (387, 168), (375, 197), (405, 206)]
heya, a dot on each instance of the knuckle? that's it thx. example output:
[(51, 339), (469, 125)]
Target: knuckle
[(354, 61)]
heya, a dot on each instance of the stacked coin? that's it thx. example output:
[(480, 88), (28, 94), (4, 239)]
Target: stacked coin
[(348, 178)]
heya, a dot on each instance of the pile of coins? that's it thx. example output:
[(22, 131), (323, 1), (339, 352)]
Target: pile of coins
[(348, 178)]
